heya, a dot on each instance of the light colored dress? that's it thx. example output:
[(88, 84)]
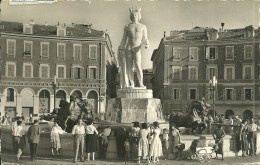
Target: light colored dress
[(156, 144), (55, 137), (143, 145)]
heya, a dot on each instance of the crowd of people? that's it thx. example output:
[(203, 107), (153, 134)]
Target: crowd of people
[(136, 143)]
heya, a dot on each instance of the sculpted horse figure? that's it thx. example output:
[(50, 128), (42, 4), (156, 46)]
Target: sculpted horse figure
[(194, 118), (69, 113)]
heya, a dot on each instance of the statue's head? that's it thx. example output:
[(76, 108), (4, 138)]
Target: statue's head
[(135, 13)]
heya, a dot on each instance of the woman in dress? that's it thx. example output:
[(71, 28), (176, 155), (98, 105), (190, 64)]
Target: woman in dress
[(243, 137), (134, 140), (55, 138), (176, 141), (91, 139), (156, 144), (143, 144)]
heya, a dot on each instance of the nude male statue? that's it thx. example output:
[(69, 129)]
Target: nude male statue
[(135, 34)]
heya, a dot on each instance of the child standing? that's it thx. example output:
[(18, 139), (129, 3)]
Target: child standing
[(55, 138), (143, 142), (165, 142)]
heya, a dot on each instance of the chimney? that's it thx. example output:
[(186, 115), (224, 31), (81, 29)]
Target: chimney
[(222, 25)]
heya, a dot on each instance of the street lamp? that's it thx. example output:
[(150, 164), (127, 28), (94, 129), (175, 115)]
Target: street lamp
[(55, 86), (213, 86)]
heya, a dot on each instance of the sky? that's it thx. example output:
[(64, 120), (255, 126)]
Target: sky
[(157, 15)]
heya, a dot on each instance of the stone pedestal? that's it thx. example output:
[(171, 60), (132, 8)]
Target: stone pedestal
[(134, 104), (135, 93)]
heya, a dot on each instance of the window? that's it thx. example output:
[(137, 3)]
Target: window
[(248, 94), (92, 72), (193, 54), (27, 29), (61, 71), (176, 75), (27, 70), (61, 32), (10, 95), (229, 52), (210, 93), (44, 71), (28, 48), (247, 72), (93, 51), (193, 73), (248, 51), (77, 72), (11, 47), (212, 71), (176, 53), (61, 47), (77, 52), (211, 53), (193, 94), (176, 94), (10, 69), (45, 50), (229, 94), (229, 72)]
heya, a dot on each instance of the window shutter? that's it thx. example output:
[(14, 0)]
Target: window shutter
[(188, 94), (207, 52), (197, 94), (252, 94), (180, 93), (97, 73), (242, 94), (81, 73), (71, 73), (224, 94), (234, 94), (88, 72)]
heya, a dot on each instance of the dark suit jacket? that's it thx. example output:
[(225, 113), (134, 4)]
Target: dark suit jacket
[(34, 134)]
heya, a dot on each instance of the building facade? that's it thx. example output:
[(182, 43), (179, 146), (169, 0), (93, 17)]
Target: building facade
[(76, 58), (190, 59)]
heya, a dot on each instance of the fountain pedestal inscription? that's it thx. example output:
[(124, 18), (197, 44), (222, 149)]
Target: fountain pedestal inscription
[(134, 104)]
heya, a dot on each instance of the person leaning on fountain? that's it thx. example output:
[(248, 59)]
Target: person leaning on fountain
[(129, 51), (78, 132), (218, 135)]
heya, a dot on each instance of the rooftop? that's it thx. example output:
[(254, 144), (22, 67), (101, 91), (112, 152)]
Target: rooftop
[(200, 33), (74, 30)]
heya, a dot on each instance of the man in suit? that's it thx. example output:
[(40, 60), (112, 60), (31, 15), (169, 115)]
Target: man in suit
[(34, 133)]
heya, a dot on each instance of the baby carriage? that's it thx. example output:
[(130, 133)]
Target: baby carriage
[(200, 152)]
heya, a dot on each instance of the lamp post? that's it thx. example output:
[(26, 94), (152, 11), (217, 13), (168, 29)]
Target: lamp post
[(55, 86), (213, 86)]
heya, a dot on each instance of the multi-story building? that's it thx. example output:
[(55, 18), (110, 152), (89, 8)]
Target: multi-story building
[(186, 60), (77, 58)]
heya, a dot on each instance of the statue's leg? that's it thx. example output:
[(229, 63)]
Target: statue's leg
[(129, 67), (125, 75), (137, 62)]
